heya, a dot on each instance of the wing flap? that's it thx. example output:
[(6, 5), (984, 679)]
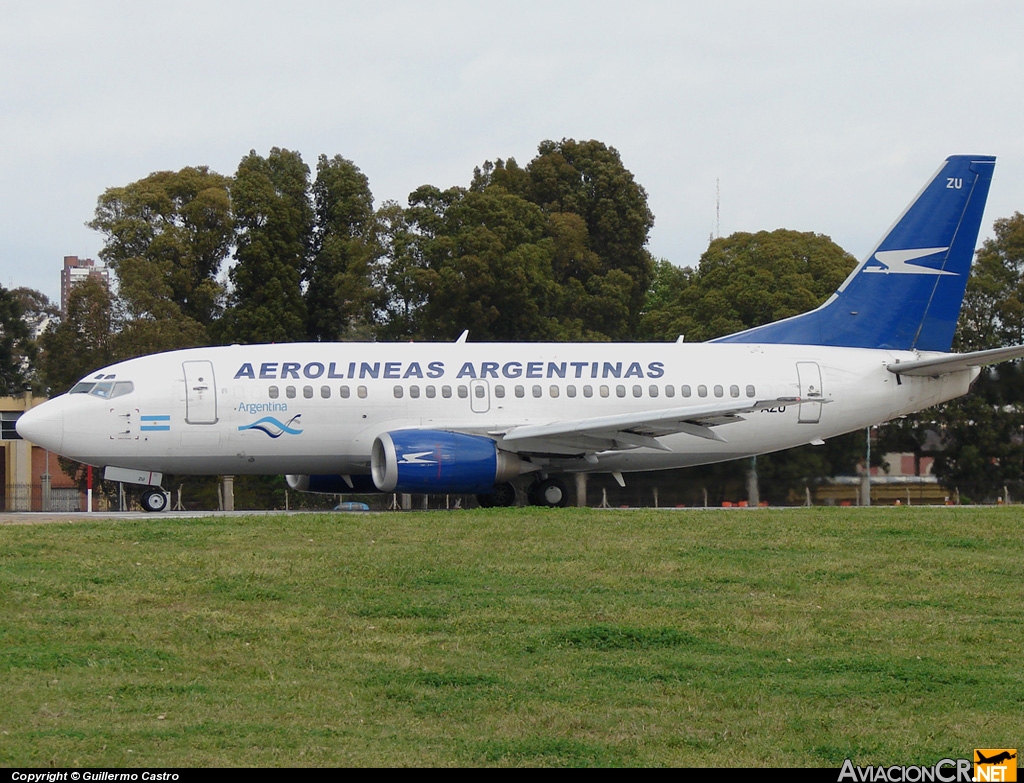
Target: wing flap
[(634, 430)]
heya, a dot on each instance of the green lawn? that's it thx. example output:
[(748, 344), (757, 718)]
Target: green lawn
[(514, 637)]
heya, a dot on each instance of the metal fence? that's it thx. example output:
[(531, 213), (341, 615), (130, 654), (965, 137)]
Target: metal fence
[(36, 497)]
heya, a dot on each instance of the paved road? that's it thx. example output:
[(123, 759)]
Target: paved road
[(38, 518)]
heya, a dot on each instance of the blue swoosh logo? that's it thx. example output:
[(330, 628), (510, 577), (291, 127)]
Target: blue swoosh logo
[(273, 427)]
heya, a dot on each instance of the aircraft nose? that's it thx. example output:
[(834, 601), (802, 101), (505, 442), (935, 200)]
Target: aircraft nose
[(43, 425)]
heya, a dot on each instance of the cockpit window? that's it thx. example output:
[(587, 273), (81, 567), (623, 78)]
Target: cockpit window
[(103, 386), (122, 388), (105, 389)]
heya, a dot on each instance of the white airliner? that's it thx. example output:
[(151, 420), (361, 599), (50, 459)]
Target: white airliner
[(472, 418)]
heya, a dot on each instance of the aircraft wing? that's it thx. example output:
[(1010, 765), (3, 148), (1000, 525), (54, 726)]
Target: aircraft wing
[(634, 430), (956, 362)]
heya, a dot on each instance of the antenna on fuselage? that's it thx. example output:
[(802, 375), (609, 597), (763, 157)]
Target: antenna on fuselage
[(463, 336)]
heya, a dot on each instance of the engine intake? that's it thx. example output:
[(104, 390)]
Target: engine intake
[(435, 461)]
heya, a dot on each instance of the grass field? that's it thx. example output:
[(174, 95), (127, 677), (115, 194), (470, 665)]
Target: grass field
[(514, 637)]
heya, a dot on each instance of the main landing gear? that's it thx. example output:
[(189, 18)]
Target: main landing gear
[(549, 492), (503, 495)]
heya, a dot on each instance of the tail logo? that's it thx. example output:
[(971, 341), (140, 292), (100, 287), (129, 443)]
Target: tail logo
[(898, 262)]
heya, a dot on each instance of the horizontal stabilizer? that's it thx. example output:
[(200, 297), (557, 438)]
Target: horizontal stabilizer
[(956, 362)]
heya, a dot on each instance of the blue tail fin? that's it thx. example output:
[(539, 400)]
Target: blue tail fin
[(907, 293)]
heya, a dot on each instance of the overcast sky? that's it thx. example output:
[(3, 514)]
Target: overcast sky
[(814, 116)]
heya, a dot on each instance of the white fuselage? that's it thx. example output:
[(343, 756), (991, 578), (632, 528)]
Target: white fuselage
[(317, 407)]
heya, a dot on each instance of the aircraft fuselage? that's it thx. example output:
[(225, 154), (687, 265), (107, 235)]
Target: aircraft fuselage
[(317, 408)]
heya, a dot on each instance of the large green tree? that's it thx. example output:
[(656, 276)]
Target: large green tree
[(395, 272), (993, 309), (553, 251), (17, 349), (745, 280), (486, 265), (338, 285), (599, 221), (980, 437), (83, 340), (166, 237), (274, 220)]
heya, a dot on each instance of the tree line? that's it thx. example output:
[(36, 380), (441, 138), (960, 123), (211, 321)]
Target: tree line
[(552, 250)]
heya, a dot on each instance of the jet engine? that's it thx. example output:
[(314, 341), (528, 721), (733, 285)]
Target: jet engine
[(434, 461)]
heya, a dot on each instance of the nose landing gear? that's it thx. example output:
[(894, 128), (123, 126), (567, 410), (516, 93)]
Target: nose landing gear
[(155, 500)]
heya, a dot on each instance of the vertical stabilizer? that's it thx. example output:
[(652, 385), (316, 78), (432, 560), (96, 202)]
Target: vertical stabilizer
[(907, 293)]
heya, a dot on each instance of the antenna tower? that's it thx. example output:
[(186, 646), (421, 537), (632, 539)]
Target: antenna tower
[(718, 209)]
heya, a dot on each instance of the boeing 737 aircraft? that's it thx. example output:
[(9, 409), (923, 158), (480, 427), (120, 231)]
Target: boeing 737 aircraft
[(474, 418)]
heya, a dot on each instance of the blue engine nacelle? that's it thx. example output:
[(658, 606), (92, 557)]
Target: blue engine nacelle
[(433, 461)]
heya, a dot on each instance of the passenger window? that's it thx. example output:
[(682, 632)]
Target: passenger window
[(520, 391), (499, 391), (431, 392), (702, 391), (686, 390), (653, 390), (478, 392), (463, 392), (289, 392), (325, 392), (553, 390), (446, 391), (273, 393), (537, 391), (719, 391), (620, 391), (588, 390), (361, 392), (399, 391), (670, 391), (307, 392), (604, 390), (734, 391), (345, 392), (750, 391), (638, 390), (414, 391), (570, 390)]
